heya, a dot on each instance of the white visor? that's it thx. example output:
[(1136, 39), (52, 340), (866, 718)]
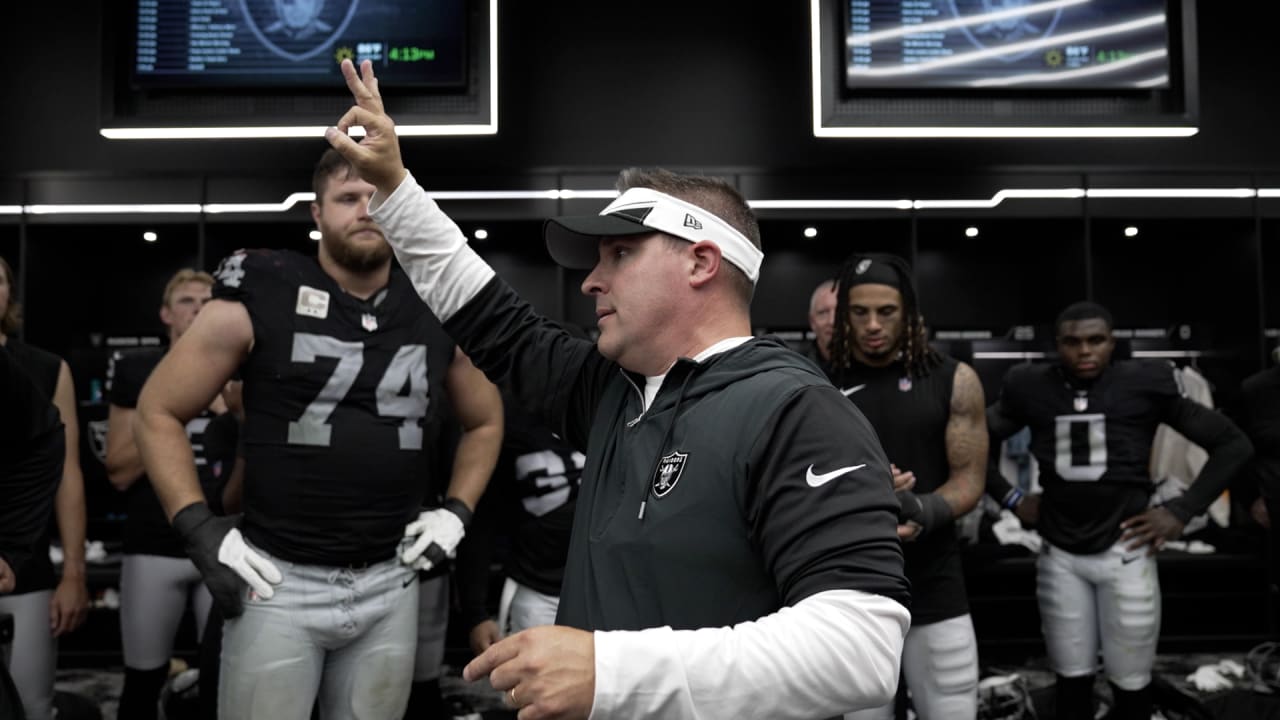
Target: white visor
[(574, 241)]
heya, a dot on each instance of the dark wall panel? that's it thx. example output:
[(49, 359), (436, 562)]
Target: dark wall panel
[(1195, 273), (692, 85), (1013, 272), (794, 264)]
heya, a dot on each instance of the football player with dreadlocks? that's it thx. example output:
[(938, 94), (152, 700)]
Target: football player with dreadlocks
[(929, 412)]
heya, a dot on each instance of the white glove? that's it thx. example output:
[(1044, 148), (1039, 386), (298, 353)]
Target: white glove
[(433, 538), (259, 572), (1207, 678)]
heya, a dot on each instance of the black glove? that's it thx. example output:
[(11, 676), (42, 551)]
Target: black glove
[(928, 510), (224, 560)]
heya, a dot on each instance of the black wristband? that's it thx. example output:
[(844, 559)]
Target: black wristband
[(929, 510), (1179, 511), (203, 534), (459, 508), (190, 518)]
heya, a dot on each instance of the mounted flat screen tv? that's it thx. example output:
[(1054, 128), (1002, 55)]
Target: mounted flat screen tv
[(297, 44), (1075, 45)]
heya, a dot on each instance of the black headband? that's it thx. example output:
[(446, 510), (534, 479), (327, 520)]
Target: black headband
[(877, 272)]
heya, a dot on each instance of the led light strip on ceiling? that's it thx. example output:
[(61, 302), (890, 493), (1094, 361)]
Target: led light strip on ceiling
[(562, 194)]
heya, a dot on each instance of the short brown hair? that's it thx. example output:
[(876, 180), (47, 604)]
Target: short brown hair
[(331, 163), (715, 195), (182, 277), (11, 321)]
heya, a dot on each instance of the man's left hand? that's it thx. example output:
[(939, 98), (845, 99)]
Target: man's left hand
[(69, 606), (1152, 528), (433, 538), (545, 672)]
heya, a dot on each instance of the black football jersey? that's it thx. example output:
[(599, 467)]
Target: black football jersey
[(547, 474), (1092, 443), (147, 530), (342, 399), (910, 417)]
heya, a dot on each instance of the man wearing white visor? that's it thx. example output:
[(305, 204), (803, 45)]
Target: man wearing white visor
[(734, 551)]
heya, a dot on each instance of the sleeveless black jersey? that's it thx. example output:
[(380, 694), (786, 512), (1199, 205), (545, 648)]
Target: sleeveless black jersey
[(43, 367), (910, 417), (32, 449), (1092, 443), (147, 530), (342, 397)]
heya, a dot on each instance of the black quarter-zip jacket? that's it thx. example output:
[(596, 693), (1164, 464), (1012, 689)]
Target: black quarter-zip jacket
[(749, 484)]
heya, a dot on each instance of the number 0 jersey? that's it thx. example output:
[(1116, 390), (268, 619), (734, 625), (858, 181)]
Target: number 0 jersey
[(342, 399), (1092, 444)]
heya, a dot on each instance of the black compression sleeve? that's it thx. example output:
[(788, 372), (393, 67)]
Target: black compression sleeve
[(475, 553), (1229, 451)]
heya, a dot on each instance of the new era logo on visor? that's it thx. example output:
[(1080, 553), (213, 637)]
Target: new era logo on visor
[(692, 222)]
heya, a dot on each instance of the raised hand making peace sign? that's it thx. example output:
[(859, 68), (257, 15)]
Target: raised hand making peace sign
[(377, 155)]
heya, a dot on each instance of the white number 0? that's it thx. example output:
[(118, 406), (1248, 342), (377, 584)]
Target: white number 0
[(1095, 447)]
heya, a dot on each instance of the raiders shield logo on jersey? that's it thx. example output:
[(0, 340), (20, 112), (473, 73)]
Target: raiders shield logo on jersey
[(668, 474), (98, 439)]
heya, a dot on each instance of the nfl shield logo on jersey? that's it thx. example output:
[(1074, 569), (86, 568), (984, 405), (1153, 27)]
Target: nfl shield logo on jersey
[(668, 474), (369, 322), (904, 384)]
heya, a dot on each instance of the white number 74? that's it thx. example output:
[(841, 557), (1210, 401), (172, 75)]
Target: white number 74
[(408, 367)]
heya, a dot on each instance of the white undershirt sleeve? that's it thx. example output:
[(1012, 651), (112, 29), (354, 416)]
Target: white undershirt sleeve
[(445, 272), (831, 653)]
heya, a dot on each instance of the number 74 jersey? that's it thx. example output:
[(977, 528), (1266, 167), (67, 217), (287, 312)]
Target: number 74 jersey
[(343, 404)]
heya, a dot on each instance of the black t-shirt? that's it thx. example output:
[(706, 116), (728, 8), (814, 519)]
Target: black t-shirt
[(342, 397), (147, 530), (43, 367), (1092, 443), (32, 450), (910, 417)]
